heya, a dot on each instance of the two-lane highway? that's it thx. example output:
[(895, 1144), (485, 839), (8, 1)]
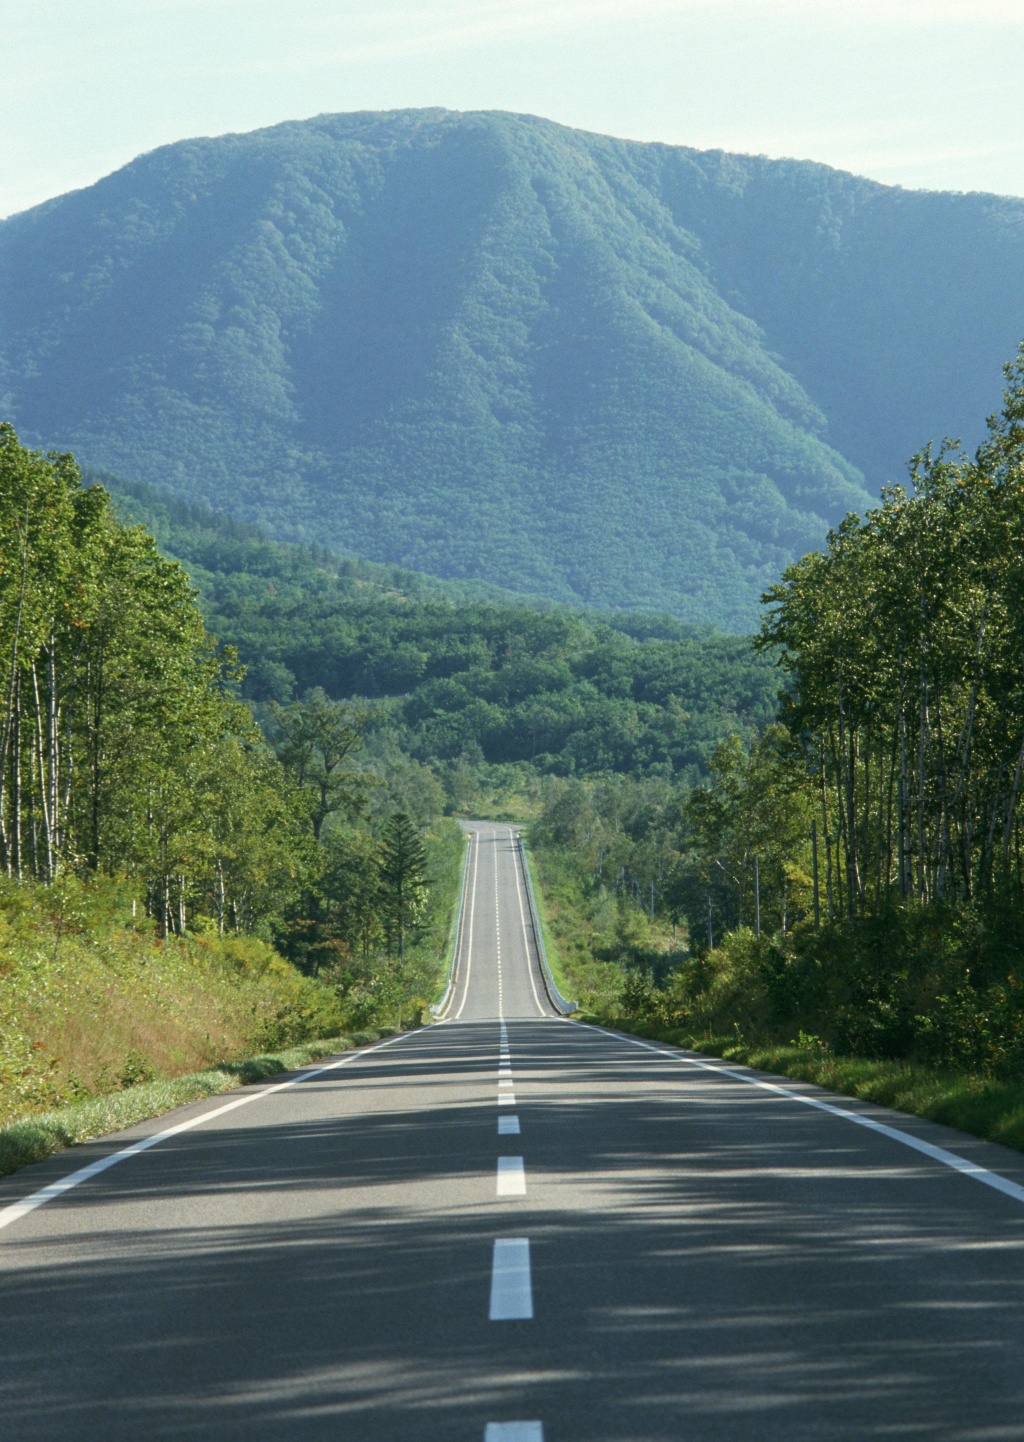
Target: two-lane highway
[(515, 1228), (498, 971)]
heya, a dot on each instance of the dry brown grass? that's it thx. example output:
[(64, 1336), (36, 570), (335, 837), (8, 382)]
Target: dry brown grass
[(88, 1007)]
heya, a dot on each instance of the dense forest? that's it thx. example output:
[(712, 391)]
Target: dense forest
[(856, 874), (487, 346), (273, 753), (126, 755), (456, 678)]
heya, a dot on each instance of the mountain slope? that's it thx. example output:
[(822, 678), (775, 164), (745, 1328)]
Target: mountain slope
[(486, 346)]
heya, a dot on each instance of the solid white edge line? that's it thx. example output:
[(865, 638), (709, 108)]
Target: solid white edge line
[(937, 1154), (497, 934), (14, 1211), (522, 919)]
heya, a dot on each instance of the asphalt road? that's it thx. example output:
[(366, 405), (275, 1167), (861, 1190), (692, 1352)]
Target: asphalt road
[(574, 1237)]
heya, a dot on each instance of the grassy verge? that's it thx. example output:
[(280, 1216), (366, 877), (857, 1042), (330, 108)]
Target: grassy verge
[(37, 1137), (93, 1002), (570, 934), (562, 981), (456, 896), (985, 1108), (419, 979)]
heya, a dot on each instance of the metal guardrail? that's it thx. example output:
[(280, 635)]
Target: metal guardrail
[(442, 1005), (558, 1001)]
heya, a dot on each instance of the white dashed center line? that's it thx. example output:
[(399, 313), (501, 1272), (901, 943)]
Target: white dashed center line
[(511, 1177), (511, 1281), (511, 1287)]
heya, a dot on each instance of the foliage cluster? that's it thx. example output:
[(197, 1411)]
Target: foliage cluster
[(463, 680), (121, 750), (879, 826), (130, 769)]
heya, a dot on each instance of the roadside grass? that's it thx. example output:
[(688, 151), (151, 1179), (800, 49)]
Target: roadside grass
[(457, 880), (92, 1002), (981, 1106), (565, 986), (571, 934), (104, 1024), (38, 1137)]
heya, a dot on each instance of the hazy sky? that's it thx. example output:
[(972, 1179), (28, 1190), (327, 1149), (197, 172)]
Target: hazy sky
[(914, 92)]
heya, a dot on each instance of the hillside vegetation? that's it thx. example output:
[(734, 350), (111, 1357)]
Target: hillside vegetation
[(852, 882), (485, 346), (177, 886), (92, 1002), (458, 681)]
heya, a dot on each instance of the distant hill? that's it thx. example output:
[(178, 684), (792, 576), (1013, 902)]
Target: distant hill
[(486, 346)]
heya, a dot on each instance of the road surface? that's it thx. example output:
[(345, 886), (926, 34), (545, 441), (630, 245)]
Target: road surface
[(512, 1227)]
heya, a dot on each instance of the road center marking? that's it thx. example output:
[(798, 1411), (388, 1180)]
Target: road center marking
[(511, 1181), (514, 1432), (508, 1126), (506, 1099), (511, 1286)]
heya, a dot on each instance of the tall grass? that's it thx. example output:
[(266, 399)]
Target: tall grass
[(91, 1004)]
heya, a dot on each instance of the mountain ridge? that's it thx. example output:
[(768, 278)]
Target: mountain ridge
[(483, 345)]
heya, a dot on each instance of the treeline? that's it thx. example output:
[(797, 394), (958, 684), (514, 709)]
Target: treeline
[(903, 643), (463, 677), (126, 752), (856, 872), (121, 750), (874, 840)]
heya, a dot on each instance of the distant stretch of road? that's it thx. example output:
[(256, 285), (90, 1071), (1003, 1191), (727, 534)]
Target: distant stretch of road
[(512, 1227)]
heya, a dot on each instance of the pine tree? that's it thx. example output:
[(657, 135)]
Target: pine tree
[(403, 881)]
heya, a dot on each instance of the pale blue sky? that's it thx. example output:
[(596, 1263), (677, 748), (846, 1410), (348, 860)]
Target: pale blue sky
[(913, 92)]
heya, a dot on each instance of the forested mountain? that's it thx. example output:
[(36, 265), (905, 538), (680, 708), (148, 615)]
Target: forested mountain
[(486, 346)]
